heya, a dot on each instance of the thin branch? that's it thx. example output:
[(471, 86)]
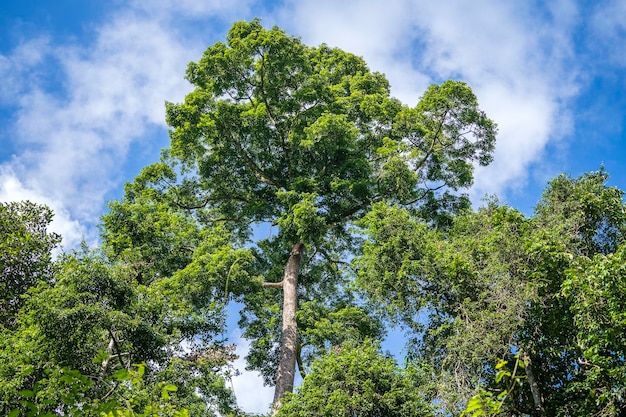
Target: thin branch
[(192, 207), (272, 284), (335, 262), (117, 349), (424, 194), (209, 200), (299, 361), (268, 108), (105, 363), (432, 144), (111, 391), (353, 210)]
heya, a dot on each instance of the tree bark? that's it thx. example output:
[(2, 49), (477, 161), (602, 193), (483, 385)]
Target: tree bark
[(534, 387), (289, 338)]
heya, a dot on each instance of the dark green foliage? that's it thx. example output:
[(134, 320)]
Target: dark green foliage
[(596, 289), (96, 320)]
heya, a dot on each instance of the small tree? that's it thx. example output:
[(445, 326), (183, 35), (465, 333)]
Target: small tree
[(340, 385), (25, 254)]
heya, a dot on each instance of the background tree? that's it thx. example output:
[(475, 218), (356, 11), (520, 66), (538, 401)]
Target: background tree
[(461, 291), (25, 254), (497, 284), (307, 139), (94, 319), (97, 318), (340, 385), (596, 288)]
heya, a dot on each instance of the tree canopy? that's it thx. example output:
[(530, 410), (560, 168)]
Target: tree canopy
[(307, 139), (297, 189), (25, 254), (499, 285)]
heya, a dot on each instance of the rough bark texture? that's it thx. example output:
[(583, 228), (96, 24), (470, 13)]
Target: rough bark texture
[(534, 387), (289, 338)]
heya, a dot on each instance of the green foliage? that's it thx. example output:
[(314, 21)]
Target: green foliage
[(489, 403), (73, 387), (494, 282), (95, 308), (340, 385), (588, 213), (306, 139), (596, 288), (462, 290), (25, 254)]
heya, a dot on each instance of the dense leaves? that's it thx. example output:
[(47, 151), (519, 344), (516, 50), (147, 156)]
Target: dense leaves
[(307, 139), (497, 284), (356, 380), (85, 323), (296, 186), (25, 254)]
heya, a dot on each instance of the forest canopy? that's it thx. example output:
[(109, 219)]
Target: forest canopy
[(505, 313)]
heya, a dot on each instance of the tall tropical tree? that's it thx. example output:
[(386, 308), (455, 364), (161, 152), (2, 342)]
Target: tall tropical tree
[(305, 140)]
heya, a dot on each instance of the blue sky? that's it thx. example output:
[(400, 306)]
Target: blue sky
[(83, 85)]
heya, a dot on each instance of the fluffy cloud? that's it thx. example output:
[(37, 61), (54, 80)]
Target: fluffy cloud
[(516, 57), (252, 395), (12, 189), (84, 111)]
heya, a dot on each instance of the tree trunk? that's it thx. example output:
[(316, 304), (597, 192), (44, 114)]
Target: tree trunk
[(289, 338), (534, 387)]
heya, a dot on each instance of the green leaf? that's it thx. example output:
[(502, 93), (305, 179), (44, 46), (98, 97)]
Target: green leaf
[(26, 393), (122, 375), (501, 363), (170, 387), (501, 374)]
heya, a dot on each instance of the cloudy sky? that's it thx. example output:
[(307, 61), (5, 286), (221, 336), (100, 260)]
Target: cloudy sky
[(83, 85)]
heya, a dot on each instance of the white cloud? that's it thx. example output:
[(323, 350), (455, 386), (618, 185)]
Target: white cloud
[(15, 68), (171, 9), (607, 18), (73, 141), (514, 57), (381, 32), (608, 32), (11, 189), (252, 395)]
